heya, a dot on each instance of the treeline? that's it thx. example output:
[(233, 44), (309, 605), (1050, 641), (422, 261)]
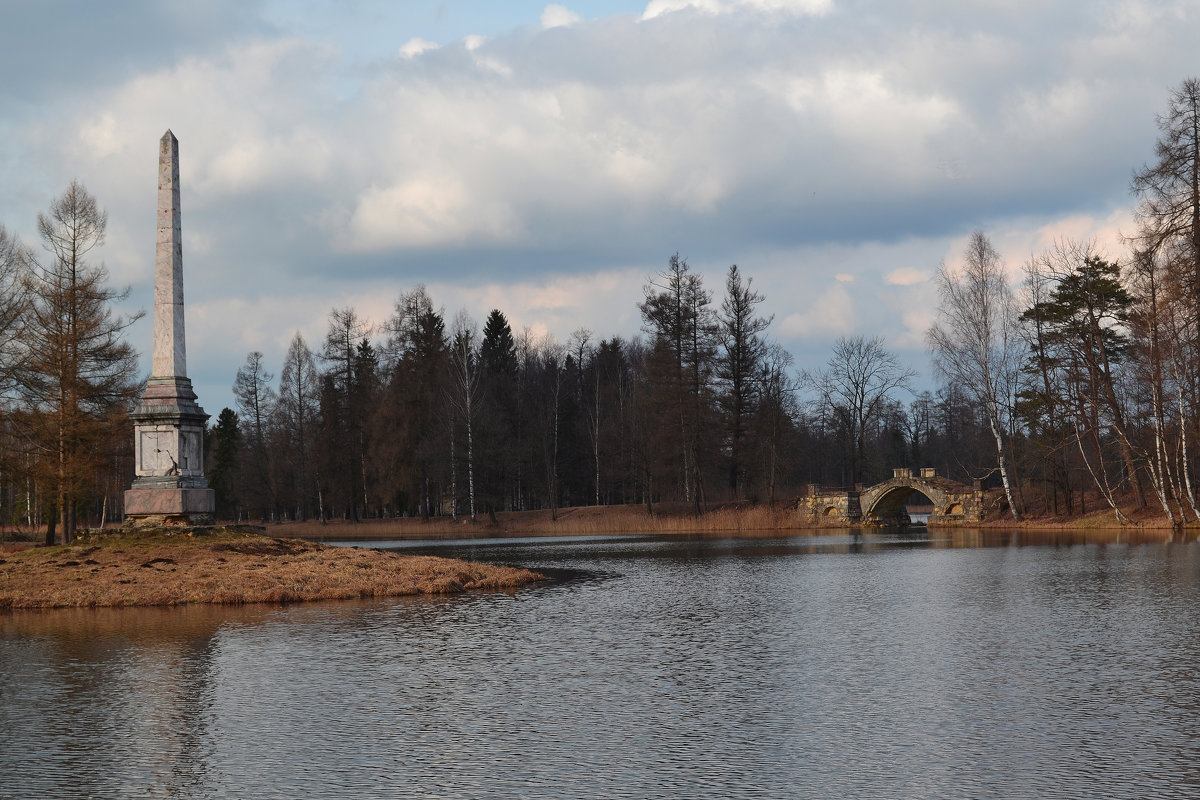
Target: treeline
[(422, 416)]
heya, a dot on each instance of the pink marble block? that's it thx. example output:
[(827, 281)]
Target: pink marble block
[(168, 502)]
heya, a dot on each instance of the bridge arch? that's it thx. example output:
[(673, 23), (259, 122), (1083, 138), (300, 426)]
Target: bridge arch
[(892, 505)]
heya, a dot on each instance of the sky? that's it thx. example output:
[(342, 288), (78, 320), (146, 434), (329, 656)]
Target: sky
[(548, 159)]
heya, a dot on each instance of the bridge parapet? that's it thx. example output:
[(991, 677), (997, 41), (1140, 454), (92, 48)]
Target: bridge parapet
[(832, 505)]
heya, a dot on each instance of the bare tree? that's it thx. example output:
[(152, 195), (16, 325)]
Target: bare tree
[(585, 355), (464, 390), (1150, 322), (975, 341), (552, 357), (1168, 190), (255, 404), (343, 419), (296, 410), (15, 261), (854, 388), (1166, 273), (77, 366), (777, 408)]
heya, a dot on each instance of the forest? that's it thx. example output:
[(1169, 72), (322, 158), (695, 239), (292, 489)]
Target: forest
[(1071, 382)]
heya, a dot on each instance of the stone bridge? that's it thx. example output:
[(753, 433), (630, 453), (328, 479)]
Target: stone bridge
[(884, 503)]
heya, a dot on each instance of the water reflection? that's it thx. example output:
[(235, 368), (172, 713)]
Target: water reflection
[(877, 664), (122, 678)]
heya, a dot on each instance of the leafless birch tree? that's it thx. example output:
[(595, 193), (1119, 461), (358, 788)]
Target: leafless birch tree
[(975, 342)]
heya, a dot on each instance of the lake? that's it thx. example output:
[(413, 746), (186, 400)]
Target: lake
[(877, 665)]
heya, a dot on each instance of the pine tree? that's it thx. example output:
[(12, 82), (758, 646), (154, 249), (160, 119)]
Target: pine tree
[(224, 452), (738, 365)]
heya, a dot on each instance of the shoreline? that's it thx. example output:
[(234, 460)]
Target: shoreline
[(673, 519), (228, 566), (288, 563)]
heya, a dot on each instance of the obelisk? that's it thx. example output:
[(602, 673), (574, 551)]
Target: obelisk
[(169, 487)]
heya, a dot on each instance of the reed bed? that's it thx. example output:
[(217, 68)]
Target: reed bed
[(675, 518), (742, 519), (229, 567)]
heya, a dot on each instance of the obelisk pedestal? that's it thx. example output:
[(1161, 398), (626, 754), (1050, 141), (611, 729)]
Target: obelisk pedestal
[(169, 487)]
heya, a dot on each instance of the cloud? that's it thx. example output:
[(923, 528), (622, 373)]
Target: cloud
[(423, 212), (657, 8), (831, 313), (556, 16), (906, 276), (415, 46), (527, 140)]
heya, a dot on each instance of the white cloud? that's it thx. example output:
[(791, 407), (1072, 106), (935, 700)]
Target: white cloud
[(906, 276), (917, 321), (415, 46), (831, 313), (426, 211), (556, 16), (657, 8)]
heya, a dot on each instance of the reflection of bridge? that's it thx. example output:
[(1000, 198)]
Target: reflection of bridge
[(884, 503)]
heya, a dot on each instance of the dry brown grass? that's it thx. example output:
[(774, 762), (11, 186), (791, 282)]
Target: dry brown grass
[(676, 518), (228, 566), (744, 519), (1099, 517)]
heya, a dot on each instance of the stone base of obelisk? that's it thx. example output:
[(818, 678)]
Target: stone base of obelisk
[(170, 488), (156, 507)]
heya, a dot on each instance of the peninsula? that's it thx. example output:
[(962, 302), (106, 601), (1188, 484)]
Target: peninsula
[(234, 565)]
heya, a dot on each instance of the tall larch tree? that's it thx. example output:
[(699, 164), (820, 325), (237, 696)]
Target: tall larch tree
[(296, 411), (341, 413), (77, 365), (255, 405)]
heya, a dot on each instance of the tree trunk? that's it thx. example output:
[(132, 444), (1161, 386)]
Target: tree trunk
[(51, 523), (1002, 464)]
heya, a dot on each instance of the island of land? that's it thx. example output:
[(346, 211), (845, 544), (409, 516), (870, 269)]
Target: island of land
[(232, 565)]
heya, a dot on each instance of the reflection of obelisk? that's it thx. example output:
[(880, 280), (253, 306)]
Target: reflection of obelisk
[(168, 425)]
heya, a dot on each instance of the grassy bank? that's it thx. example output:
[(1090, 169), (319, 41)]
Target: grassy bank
[(1099, 516), (577, 521), (227, 565), (733, 520)]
